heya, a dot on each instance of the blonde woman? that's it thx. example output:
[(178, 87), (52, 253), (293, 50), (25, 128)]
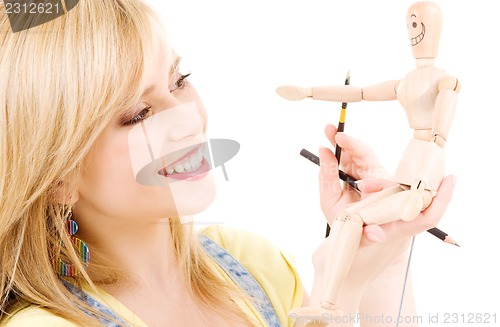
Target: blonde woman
[(101, 156)]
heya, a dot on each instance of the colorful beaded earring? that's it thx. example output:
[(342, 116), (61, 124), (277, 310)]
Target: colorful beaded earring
[(68, 269)]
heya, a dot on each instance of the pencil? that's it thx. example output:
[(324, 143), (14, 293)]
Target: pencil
[(343, 176), (340, 128), (351, 181), (442, 236)]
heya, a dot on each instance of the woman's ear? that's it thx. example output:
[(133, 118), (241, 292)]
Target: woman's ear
[(65, 194)]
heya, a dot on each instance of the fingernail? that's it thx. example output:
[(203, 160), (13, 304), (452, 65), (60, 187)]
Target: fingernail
[(322, 152), (340, 137), (373, 238), (361, 184), (340, 134)]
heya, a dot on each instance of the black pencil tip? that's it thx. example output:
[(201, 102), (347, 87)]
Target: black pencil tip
[(457, 245)]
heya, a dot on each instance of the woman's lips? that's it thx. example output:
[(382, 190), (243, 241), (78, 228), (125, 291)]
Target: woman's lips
[(189, 163), (192, 175), (188, 166), (195, 149)]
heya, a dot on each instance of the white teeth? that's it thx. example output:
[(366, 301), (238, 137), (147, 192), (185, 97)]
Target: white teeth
[(199, 156), (191, 163), (179, 168)]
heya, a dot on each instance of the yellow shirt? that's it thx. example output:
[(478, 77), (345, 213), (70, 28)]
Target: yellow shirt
[(273, 270)]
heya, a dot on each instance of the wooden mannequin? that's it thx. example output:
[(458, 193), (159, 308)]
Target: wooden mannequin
[(428, 95)]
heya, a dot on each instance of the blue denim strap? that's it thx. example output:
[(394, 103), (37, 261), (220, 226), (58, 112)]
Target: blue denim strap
[(107, 312), (243, 278), (230, 265)]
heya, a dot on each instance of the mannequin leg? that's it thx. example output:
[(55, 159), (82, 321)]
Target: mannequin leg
[(343, 243), (340, 257)]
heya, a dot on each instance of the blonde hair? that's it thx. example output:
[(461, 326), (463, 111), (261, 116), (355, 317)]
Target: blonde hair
[(60, 84)]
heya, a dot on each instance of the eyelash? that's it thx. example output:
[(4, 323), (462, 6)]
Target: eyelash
[(139, 117), (181, 82)]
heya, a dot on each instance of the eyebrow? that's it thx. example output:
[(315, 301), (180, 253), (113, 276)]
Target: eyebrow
[(174, 66), (413, 15), (147, 91)]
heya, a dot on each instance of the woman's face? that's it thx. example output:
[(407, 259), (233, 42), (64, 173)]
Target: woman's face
[(147, 164)]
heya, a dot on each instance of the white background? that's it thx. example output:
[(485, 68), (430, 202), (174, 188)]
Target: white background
[(239, 52)]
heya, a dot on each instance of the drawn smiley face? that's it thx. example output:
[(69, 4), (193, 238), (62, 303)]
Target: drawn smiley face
[(423, 21), (416, 30)]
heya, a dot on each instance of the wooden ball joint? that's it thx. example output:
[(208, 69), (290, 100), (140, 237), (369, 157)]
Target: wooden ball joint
[(429, 97)]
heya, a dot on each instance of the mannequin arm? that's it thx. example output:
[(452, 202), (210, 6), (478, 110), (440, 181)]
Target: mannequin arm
[(444, 109), (341, 93)]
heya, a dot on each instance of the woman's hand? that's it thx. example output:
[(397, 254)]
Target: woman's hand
[(381, 246), (357, 160)]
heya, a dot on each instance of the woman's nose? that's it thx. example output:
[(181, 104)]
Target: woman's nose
[(186, 122)]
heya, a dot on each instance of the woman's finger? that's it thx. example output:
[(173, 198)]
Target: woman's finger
[(358, 158), (372, 234), (330, 132), (357, 149), (371, 185), (329, 182)]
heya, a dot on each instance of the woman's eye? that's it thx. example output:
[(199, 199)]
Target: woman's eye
[(139, 117), (180, 83)]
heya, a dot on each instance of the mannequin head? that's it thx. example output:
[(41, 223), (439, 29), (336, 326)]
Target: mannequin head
[(424, 29)]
